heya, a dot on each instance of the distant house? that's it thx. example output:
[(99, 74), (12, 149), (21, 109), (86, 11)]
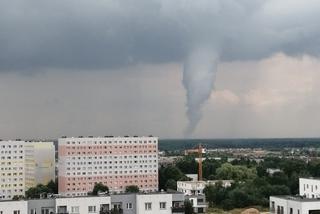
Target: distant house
[(271, 171)]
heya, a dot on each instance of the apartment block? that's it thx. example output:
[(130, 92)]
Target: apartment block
[(309, 187), (294, 205), (116, 162), (19, 167), (197, 187), (129, 203), (157, 202), (307, 202)]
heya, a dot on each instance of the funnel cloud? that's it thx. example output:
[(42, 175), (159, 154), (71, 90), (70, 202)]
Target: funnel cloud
[(81, 35), (198, 80)]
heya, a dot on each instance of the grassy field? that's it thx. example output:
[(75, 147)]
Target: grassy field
[(235, 211)]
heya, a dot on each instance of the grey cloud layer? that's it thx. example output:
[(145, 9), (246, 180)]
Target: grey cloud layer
[(108, 33)]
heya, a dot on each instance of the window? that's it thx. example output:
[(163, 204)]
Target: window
[(147, 206), (74, 209), (32, 211), (16, 212), (44, 211), (92, 209), (291, 211), (129, 205), (162, 205), (272, 205), (200, 200)]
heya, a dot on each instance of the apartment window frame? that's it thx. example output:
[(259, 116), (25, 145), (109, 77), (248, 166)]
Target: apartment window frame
[(92, 209), (129, 206), (148, 206), (163, 205)]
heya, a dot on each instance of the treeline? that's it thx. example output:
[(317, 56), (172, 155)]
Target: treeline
[(177, 144), (252, 183)]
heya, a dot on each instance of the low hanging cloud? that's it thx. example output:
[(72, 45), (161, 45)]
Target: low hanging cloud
[(103, 34)]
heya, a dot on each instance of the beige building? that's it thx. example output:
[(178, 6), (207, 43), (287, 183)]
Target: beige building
[(44, 160), (23, 165)]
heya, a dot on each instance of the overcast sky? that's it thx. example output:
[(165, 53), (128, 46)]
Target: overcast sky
[(110, 67)]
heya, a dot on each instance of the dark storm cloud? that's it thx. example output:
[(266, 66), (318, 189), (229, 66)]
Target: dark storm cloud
[(107, 33)]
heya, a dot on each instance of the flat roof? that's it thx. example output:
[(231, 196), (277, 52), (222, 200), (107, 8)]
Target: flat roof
[(296, 198), (311, 178)]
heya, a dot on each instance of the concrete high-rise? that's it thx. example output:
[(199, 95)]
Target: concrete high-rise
[(21, 168), (116, 162)]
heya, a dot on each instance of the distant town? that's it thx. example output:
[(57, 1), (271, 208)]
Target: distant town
[(78, 175)]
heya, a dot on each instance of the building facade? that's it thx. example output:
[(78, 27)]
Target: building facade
[(197, 187), (79, 205), (309, 187), (157, 202), (294, 205), (116, 162), (306, 203), (44, 157), (14, 207), (130, 203), (19, 167)]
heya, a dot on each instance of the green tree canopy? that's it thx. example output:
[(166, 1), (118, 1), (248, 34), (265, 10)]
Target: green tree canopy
[(236, 172), (188, 207), (99, 187), (132, 189)]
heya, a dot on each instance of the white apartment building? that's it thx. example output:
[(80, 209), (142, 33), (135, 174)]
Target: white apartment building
[(116, 162), (14, 207), (130, 203), (294, 205), (83, 205), (307, 203), (157, 203), (18, 167), (197, 187), (309, 187)]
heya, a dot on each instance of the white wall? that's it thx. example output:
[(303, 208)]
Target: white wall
[(83, 203), (309, 187), (8, 207), (155, 200), (314, 205), (299, 206)]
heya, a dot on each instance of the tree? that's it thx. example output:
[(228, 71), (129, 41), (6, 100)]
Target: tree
[(171, 184), (239, 198), (188, 165), (278, 178), (17, 197), (169, 172), (188, 208), (237, 172), (132, 189), (116, 210), (209, 168), (35, 192), (53, 186), (215, 194), (99, 187)]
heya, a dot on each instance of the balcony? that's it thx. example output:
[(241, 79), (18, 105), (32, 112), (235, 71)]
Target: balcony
[(113, 211), (178, 209)]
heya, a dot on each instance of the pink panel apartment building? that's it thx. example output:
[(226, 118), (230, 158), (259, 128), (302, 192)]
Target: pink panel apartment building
[(114, 161)]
